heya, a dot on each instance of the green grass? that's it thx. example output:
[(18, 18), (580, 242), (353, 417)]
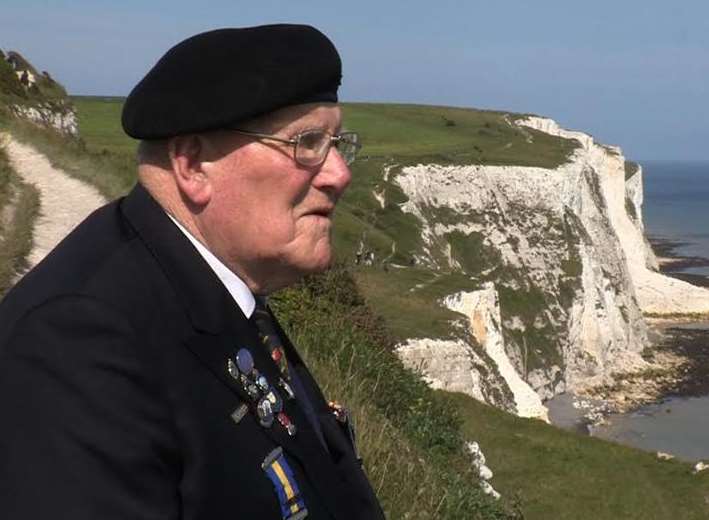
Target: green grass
[(560, 475), (45, 89), (478, 136), (100, 125), (407, 299), (19, 205)]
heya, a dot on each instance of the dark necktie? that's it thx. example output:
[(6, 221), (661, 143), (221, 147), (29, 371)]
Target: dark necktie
[(263, 320)]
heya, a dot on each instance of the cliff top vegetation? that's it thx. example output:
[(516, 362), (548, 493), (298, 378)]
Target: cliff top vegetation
[(20, 83)]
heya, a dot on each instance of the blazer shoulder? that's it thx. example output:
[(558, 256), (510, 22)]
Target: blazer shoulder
[(101, 261)]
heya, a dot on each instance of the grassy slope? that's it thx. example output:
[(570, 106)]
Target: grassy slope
[(19, 205), (100, 125), (476, 136), (556, 474), (564, 476)]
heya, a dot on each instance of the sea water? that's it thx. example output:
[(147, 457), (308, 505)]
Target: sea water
[(676, 206), (677, 425)]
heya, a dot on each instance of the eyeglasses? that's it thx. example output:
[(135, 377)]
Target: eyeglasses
[(312, 146)]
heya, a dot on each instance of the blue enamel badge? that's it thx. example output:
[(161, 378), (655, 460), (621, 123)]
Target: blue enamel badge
[(281, 476)]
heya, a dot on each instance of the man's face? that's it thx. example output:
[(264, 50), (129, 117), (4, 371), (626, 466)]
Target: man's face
[(269, 218)]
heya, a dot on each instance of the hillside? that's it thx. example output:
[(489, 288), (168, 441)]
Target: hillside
[(34, 96)]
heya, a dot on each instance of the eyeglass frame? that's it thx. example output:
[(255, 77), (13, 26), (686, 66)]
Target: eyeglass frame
[(294, 141)]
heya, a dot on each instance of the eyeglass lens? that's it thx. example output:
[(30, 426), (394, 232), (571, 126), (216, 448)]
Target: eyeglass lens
[(312, 147)]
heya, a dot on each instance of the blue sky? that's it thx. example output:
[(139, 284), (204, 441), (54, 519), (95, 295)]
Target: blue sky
[(633, 73)]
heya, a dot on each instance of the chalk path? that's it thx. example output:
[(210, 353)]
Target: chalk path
[(64, 201)]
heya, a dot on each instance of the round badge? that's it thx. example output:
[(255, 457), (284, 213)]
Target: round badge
[(262, 383), (245, 361)]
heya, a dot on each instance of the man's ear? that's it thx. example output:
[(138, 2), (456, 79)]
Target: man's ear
[(187, 157)]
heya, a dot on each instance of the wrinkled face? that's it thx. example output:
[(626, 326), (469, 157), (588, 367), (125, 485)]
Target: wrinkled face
[(269, 219)]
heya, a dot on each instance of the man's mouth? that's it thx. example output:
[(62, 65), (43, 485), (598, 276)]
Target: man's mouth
[(322, 212)]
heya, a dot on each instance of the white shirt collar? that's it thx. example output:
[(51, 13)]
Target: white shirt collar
[(242, 295)]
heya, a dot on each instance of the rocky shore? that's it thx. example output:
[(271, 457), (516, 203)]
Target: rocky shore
[(678, 366), (678, 357)]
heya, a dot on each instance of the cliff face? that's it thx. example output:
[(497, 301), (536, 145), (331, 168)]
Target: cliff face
[(564, 270)]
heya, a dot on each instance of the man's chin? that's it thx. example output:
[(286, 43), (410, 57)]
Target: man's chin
[(304, 260), (320, 264)]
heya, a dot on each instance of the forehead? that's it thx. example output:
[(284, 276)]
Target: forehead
[(298, 117)]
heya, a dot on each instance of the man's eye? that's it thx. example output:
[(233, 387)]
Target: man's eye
[(312, 140)]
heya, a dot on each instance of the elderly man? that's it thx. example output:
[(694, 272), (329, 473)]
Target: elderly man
[(142, 375)]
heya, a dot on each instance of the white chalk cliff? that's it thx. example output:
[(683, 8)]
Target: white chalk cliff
[(565, 273), (656, 293), (61, 117)]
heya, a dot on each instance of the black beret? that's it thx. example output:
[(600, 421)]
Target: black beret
[(218, 78)]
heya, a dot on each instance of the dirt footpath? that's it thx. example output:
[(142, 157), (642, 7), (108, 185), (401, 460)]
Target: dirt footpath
[(64, 201)]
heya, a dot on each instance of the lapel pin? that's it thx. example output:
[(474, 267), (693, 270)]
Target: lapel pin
[(275, 399), (264, 412), (245, 361), (249, 387), (286, 388), (233, 370), (239, 413), (262, 383), (285, 421)]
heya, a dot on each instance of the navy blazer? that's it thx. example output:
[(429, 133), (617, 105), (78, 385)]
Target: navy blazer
[(117, 402)]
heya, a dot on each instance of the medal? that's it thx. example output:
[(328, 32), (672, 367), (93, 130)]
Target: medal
[(264, 412), (285, 421), (275, 400), (268, 401)]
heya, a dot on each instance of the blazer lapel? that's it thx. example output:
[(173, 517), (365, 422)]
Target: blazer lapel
[(221, 329), (215, 350)]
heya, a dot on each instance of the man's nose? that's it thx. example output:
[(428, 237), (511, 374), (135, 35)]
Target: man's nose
[(334, 173)]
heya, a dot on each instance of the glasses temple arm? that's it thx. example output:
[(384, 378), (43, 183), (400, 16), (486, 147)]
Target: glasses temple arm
[(265, 136)]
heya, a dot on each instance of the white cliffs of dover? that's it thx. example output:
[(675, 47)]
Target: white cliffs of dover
[(520, 211), (656, 293)]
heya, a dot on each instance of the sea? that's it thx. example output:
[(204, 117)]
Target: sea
[(676, 206)]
